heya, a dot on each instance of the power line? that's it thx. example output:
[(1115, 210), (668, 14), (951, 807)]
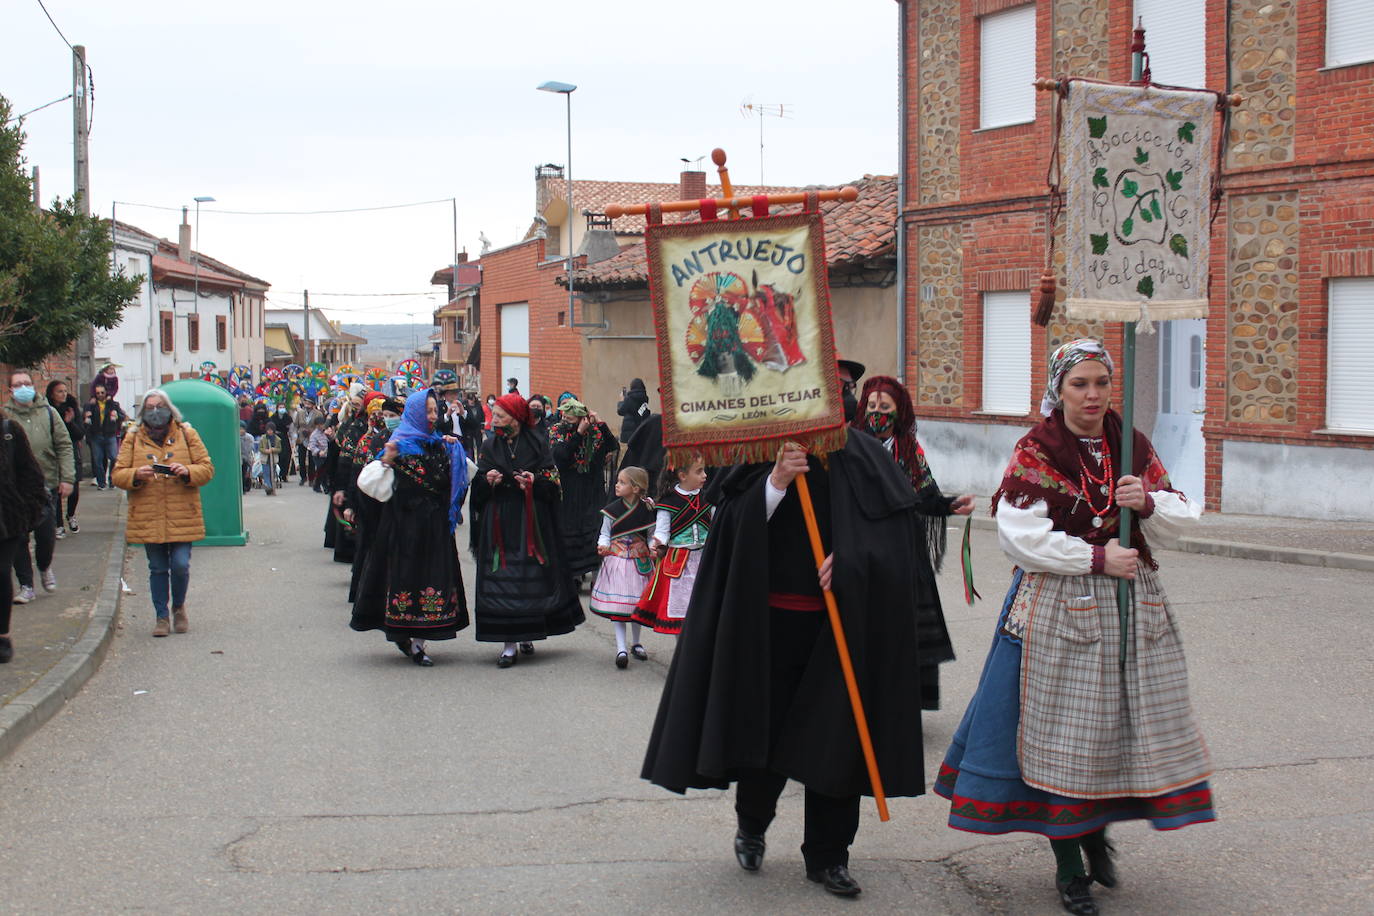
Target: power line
[(54, 25), (364, 295), (20, 117), (418, 203)]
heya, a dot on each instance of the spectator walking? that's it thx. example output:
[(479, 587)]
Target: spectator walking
[(303, 423), (163, 465), (52, 448), (23, 501), (247, 448), (270, 447), (104, 422), (319, 452), (283, 423), (60, 397)]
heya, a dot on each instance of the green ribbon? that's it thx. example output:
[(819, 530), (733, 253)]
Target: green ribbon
[(966, 556)]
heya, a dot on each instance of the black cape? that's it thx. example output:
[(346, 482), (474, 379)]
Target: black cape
[(518, 598), (713, 718), (645, 450), (584, 493)]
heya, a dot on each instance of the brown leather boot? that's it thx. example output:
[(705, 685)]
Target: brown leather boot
[(179, 622), (162, 627)]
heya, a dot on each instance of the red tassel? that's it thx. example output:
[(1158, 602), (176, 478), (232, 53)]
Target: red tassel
[(1044, 307)]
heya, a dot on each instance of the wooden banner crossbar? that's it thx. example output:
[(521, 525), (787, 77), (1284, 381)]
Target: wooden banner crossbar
[(846, 193)]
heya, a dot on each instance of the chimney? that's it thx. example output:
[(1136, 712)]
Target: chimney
[(184, 238), (692, 185), (463, 256)]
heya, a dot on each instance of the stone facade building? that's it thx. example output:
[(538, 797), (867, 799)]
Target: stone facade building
[(1267, 405)]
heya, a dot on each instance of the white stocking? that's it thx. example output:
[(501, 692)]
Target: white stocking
[(620, 635), (635, 627)]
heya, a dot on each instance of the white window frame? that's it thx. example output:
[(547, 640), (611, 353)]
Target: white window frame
[(1349, 33), (1349, 337), (1006, 353), (1006, 67)]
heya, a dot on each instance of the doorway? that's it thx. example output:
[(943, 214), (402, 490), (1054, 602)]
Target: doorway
[(515, 348), (1182, 403)]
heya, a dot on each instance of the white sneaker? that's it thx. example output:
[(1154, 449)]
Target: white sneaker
[(61, 532), (25, 595), (49, 580), (72, 526)]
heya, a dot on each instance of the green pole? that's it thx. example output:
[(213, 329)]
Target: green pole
[(1123, 586)]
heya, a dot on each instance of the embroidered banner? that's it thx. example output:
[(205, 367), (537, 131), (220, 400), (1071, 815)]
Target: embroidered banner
[(1137, 174), (746, 349)]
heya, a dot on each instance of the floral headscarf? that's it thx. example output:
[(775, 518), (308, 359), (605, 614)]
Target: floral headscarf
[(1064, 359)]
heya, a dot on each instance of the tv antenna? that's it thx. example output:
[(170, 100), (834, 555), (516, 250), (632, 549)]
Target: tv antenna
[(749, 108)]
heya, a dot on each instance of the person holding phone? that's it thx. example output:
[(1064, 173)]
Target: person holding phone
[(163, 464)]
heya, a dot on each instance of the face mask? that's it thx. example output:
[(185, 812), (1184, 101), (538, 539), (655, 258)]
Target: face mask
[(391, 423), (879, 423), (537, 413), (491, 402), (281, 410), (157, 416), (851, 406), (25, 394)]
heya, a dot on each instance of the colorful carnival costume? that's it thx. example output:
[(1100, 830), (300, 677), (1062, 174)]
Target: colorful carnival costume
[(581, 459), (625, 531), (682, 524)]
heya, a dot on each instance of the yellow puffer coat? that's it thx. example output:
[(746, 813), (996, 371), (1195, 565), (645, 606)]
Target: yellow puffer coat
[(164, 510)]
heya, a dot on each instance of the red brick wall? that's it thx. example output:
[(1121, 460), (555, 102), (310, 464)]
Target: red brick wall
[(520, 274)]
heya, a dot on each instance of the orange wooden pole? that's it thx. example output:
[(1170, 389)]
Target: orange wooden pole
[(726, 188), (849, 192), (842, 647)]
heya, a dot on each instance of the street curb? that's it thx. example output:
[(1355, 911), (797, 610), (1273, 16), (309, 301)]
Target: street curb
[(28, 711), (1240, 550)]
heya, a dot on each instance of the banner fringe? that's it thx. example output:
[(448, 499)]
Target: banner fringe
[(819, 442)]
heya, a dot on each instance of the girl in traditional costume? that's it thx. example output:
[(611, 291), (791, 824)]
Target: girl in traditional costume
[(626, 523), (889, 416), (411, 586), (1075, 723), (524, 590), (682, 523), (581, 446)]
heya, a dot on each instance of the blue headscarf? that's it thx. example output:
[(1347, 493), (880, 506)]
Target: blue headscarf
[(415, 434)]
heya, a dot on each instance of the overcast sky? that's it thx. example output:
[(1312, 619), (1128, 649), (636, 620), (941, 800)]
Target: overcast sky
[(306, 105)]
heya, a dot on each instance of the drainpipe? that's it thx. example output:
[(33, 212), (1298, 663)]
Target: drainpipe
[(901, 190)]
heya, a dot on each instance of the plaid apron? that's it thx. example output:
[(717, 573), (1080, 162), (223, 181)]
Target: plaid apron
[(1087, 731)]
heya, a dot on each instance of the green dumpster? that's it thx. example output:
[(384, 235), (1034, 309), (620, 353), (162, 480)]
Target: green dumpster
[(215, 415)]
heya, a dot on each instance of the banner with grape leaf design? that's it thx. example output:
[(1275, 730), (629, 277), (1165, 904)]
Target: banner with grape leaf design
[(1137, 176)]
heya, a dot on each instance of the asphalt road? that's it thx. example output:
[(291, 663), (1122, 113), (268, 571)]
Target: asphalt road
[(272, 760)]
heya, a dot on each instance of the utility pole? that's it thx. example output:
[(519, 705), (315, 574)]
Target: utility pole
[(81, 173), (37, 195), (305, 333)]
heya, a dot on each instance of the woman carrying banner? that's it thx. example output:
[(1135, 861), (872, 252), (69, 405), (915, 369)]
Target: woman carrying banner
[(1073, 727), (581, 445), (412, 587), (755, 694), (524, 590), (889, 416)]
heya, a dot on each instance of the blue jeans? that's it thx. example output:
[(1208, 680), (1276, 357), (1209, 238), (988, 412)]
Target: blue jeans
[(104, 451), (168, 562)]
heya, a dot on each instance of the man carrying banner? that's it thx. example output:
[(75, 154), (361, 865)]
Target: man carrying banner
[(758, 630)]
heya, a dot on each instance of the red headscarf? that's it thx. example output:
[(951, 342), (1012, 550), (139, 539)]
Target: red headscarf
[(516, 406)]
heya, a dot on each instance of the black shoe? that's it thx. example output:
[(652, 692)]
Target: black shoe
[(527, 648), (420, 658), (404, 645), (1076, 895), (6, 650), (622, 660), (837, 880), (749, 850), (1101, 868), (638, 652), (505, 661)]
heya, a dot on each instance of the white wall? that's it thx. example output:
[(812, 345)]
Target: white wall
[(127, 343), (1300, 481), (968, 457)]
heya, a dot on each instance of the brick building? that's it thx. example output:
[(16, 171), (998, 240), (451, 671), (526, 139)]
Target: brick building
[(1263, 406)]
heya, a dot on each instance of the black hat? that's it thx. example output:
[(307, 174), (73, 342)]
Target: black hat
[(856, 370)]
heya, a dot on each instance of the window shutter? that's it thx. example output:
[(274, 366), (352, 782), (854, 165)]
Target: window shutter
[(1349, 32), (221, 332), (1006, 352), (1006, 67), (193, 332), (1176, 34), (1349, 341), (168, 332)]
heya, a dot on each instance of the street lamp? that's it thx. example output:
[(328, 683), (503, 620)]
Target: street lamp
[(196, 253), (566, 90)]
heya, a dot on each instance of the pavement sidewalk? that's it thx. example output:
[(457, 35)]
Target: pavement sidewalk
[(60, 637)]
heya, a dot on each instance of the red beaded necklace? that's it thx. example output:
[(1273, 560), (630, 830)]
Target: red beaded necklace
[(1106, 484)]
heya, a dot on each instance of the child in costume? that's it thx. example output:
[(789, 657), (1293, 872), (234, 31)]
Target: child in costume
[(680, 530), (626, 523)]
